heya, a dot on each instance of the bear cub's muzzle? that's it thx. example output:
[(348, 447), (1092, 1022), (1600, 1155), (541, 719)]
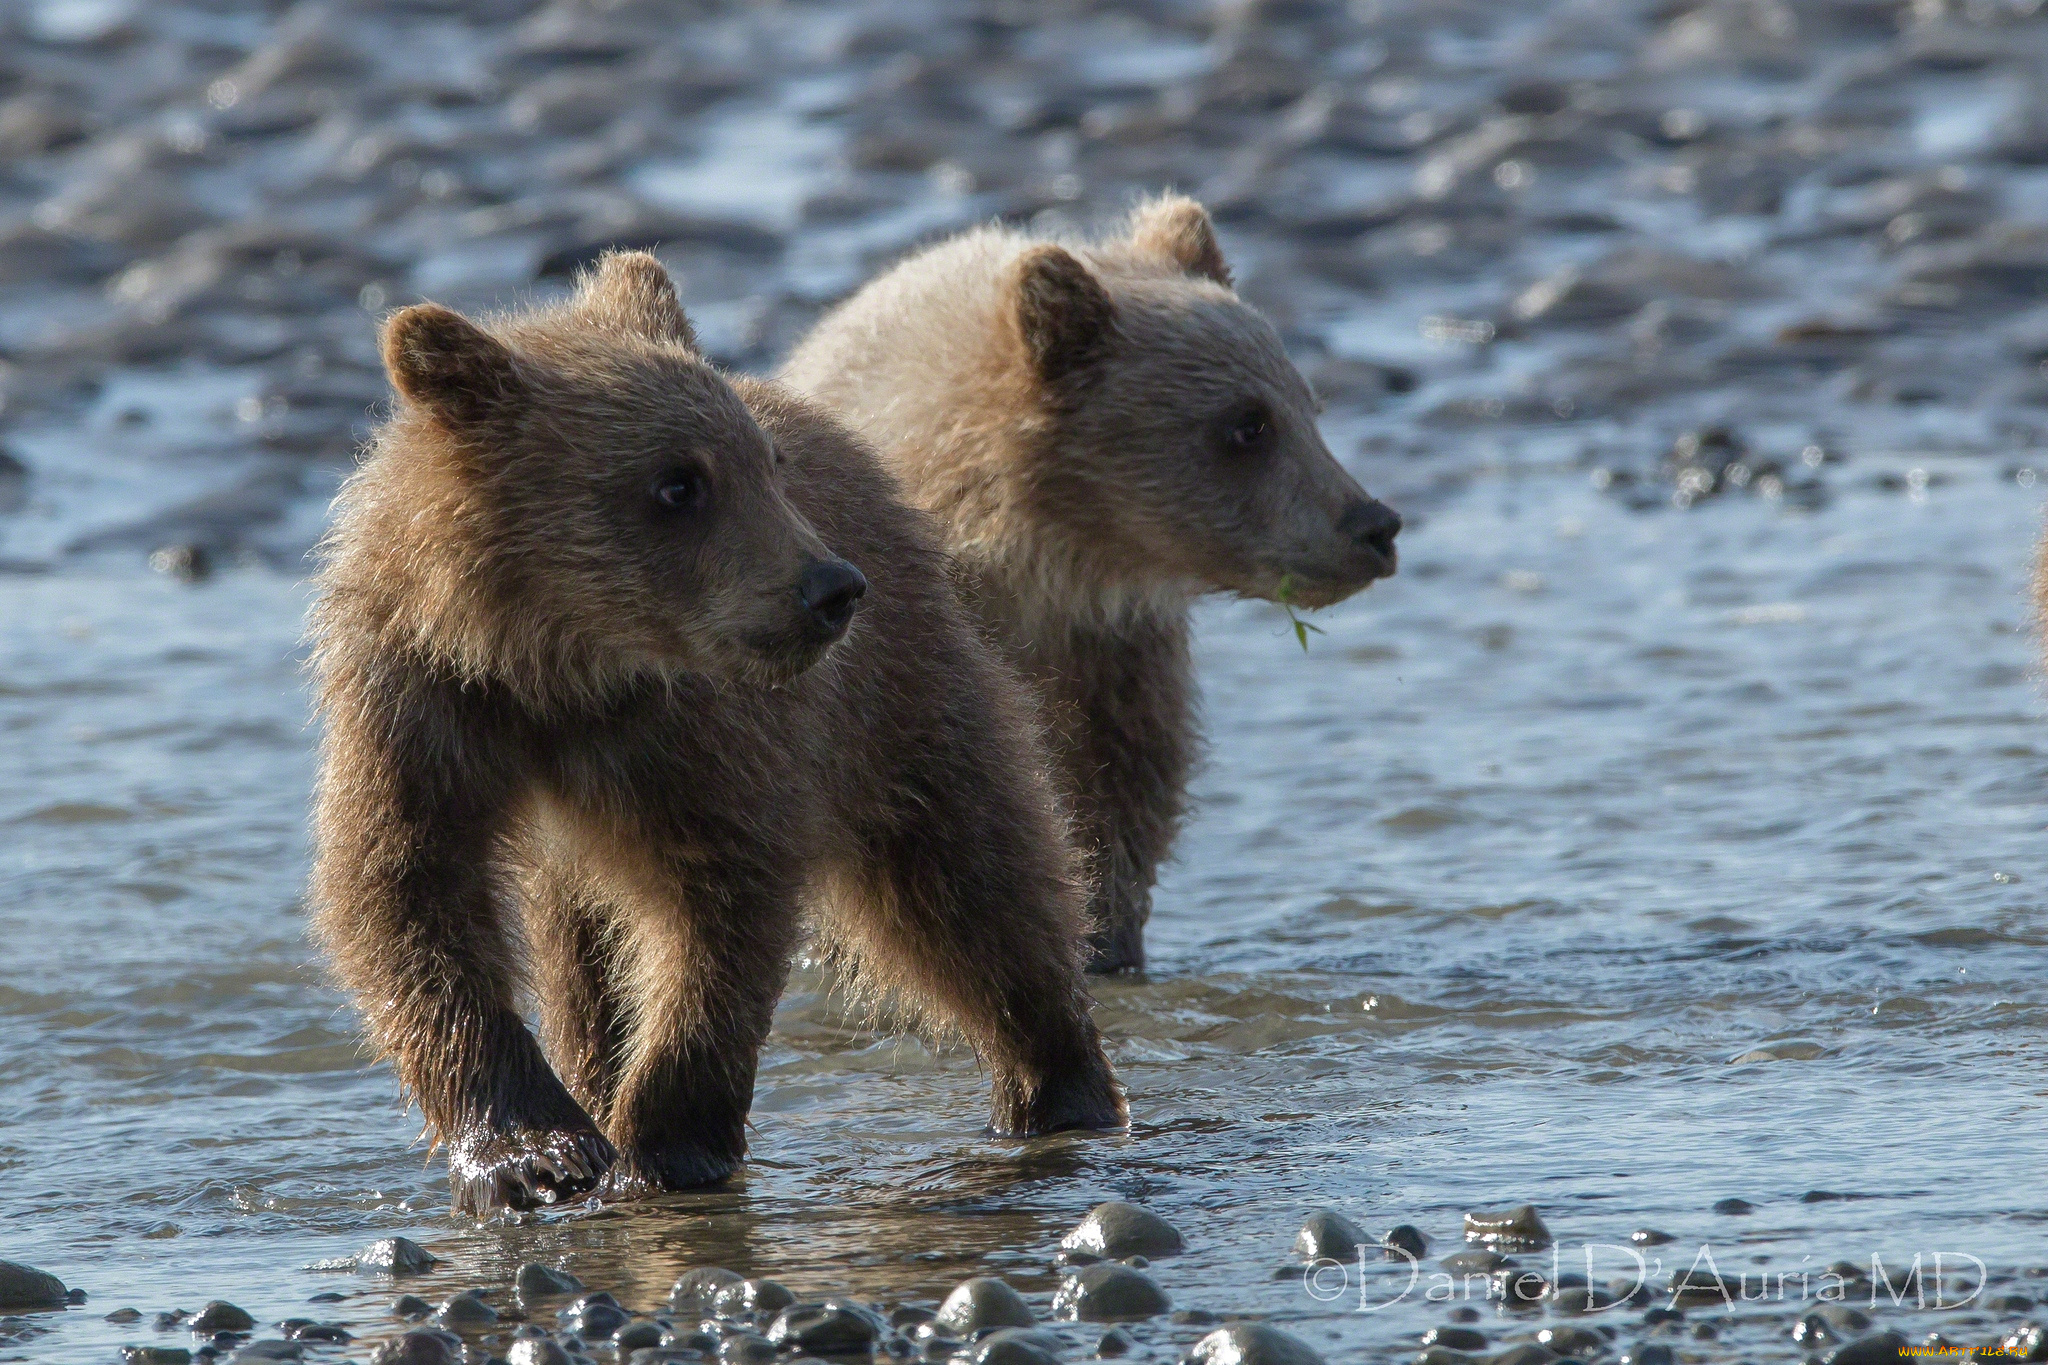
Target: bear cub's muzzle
[(830, 590), (1371, 526)]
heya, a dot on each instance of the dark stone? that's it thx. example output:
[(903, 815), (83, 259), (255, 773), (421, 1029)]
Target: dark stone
[(1571, 1341), (746, 1348), (1252, 1343), (536, 1351), (188, 562), (155, 1355), (1405, 1242), (1579, 1299), (1327, 1235), (410, 1306), (1734, 1206), (691, 1339), (1016, 1346), (419, 1348), (1520, 1287), (1879, 1348), (1444, 1355), (1517, 1229), (125, 1315), (257, 1351), (395, 1256), (1115, 1342), (1649, 1353), (759, 1297), (635, 1335), (1455, 1338), (906, 1316), (835, 1327), (1107, 1293), (1117, 1229), (1474, 1262), (1526, 1354), (984, 1301), (1699, 1285), (466, 1312), (1812, 1331), (1650, 1237), (594, 1317), (536, 1281), (695, 1290), (220, 1316), (2028, 1341)]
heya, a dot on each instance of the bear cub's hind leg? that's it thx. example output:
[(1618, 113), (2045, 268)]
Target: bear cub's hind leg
[(965, 906)]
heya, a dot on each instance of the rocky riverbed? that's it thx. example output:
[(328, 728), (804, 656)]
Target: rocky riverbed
[(1659, 848), (1704, 248), (1111, 1304)]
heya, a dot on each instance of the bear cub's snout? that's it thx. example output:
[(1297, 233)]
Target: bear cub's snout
[(830, 590), (1371, 525)]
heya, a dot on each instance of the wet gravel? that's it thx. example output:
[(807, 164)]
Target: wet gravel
[(1537, 1319), (1701, 249)]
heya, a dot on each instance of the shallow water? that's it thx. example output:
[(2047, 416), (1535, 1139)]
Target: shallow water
[(1667, 832), (1618, 863)]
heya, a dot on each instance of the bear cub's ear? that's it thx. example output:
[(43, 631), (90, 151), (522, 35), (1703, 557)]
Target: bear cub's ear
[(630, 293), (448, 365), (1065, 316), (1179, 229)]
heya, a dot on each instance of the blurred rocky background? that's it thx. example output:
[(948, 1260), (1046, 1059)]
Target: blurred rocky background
[(1696, 247)]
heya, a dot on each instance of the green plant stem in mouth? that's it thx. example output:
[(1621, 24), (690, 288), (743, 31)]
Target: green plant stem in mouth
[(1285, 597)]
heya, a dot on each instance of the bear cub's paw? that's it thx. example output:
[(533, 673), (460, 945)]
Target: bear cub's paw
[(525, 1170), (682, 1166), (1086, 1100)]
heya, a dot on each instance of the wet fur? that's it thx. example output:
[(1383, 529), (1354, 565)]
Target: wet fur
[(530, 780)]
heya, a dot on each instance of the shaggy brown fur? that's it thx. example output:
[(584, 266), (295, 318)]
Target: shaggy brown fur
[(579, 648), (1106, 431)]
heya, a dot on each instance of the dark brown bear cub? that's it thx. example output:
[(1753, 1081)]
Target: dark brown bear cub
[(606, 709)]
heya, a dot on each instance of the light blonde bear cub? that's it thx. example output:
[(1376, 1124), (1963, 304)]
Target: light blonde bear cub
[(1105, 431)]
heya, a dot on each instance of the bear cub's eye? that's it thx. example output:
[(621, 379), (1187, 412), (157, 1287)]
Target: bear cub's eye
[(681, 489), (1250, 429)]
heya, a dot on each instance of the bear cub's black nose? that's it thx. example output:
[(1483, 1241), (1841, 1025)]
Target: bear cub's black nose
[(830, 589), (1373, 524)]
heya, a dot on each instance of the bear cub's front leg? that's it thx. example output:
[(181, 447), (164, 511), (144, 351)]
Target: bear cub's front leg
[(704, 973)]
